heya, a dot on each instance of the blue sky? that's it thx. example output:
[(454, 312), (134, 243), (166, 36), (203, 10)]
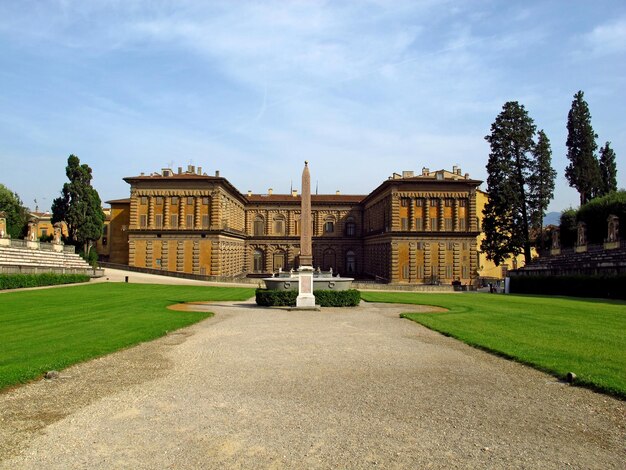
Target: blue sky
[(360, 89)]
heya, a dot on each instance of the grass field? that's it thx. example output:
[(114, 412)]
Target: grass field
[(554, 334), (50, 329)]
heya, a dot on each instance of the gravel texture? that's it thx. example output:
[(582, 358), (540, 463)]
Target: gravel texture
[(340, 388)]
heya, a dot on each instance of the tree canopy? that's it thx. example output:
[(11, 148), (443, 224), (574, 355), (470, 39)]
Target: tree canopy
[(583, 171), (16, 213), (79, 205), (520, 184)]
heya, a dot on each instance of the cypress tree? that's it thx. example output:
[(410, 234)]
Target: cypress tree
[(608, 170), (583, 171), (541, 182)]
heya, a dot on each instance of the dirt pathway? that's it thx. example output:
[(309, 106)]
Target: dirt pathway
[(347, 388)]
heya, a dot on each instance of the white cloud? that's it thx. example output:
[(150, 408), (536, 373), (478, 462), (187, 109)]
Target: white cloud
[(608, 38)]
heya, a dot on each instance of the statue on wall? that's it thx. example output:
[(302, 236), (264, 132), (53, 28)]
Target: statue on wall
[(613, 228), (3, 225), (57, 233), (556, 239), (582, 234), (32, 231)]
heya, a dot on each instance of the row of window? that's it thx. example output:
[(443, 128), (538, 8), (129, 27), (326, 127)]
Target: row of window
[(434, 202), (279, 260), (158, 221), (279, 227), (435, 269), (174, 200), (434, 224)]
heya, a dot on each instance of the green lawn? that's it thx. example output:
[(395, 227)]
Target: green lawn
[(50, 329), (554, 334)]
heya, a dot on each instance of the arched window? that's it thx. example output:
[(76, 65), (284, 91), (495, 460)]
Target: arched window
[(280, 260), (258, 265), (350, 262), (329, 225), (279, 225), (350, 227), (259, 226), (329, 260)]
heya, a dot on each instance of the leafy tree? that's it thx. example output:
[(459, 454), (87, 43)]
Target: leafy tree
[(583, 172), (568, 227), (541, 182), (608, 170), (509, 211), (16, 213), (79, 206)]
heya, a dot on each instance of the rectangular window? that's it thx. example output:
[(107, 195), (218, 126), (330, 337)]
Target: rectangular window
[(143, 221), (158, 262), (405, 271), (144, 200), (464, 245), (449, 224), (175, 200), (419, 224), (433, 224), (420, 271), (205, 221), (448, 202), (189, 221), (450, 246), (350, 229), (404, 201), (434, 203), (158, 221), (420, 246), (329, 227), (464, 271), (105, 230), (405, 223), (462, 225), (448, 271), (279, 227), (463, 202), (205, 201), (174, 221), (159, 200), (419, 202), (190, 201)]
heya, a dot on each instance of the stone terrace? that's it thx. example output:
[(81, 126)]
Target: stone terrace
[(28, 261)]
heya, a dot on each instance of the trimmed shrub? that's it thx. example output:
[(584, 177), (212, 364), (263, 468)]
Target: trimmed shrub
[(337, 298), (568, 228), (596, 212), (276, 298), (323, 298), (608, 287), (18, 281)]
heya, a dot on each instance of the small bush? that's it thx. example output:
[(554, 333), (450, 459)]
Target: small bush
[(323, 298), (337, 298), (276, 298), (18, 281), (608, 287)]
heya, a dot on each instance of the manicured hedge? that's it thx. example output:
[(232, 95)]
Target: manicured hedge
[(323, 298), (17, 281), (609, 287)]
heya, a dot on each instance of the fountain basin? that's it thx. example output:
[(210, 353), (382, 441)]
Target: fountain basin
[(321, 281)]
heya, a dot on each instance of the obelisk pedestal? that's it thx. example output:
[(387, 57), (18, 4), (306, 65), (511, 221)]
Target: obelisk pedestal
[(305, 298)]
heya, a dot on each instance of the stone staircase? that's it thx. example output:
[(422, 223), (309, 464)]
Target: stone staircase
[(595, 261), (28, 261)]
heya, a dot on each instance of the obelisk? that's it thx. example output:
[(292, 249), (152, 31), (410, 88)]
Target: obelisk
[(305, 271)]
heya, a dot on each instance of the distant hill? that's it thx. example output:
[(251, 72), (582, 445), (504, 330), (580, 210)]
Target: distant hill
[(552, 218)]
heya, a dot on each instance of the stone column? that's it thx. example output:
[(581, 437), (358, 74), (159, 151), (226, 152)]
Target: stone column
[(411, 214), (181, 212), (134, 210), (197, 217), (150, 211), (166, 212), (455, 216), (473, 222), (426, 214), (412, 262), (442, 215)]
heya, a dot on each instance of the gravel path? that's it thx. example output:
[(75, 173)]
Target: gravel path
[(346, 388)]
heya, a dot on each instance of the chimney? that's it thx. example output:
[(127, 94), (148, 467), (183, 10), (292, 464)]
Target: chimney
[(249, 192), (337, 193), (455, 169), (294, 192), (466, 176), (199, 170), (407, 174), (180, 170), (270, 192), (425, 171), (217, 173), (142, 174)]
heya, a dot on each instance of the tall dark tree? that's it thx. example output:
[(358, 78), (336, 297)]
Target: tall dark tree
[(508, 212), (15, 212), (608, 170), (583, 172), (541, 182), (79, 206)]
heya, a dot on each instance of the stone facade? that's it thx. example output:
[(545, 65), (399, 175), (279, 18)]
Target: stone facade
[(410, 230)]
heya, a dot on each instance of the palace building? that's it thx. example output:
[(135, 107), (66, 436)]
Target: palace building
[(411, 229)]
